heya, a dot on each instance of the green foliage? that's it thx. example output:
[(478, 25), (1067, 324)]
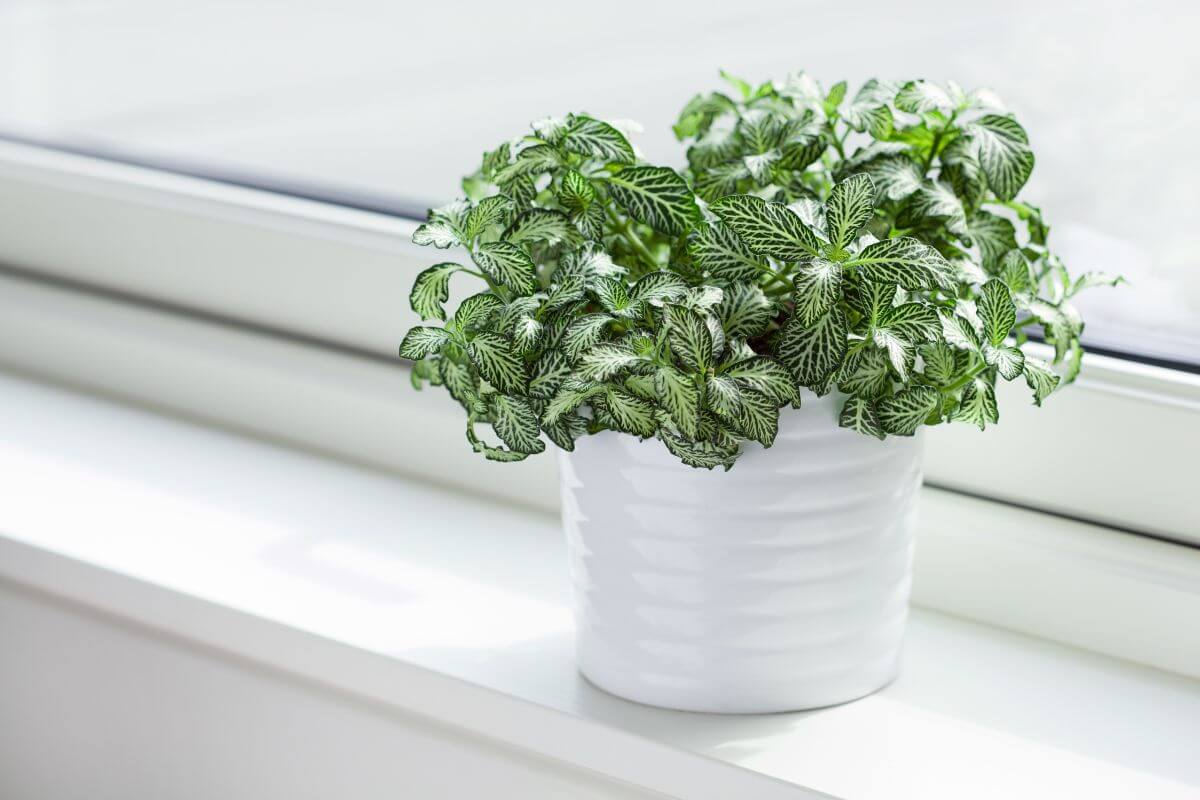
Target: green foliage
[(868, 242)]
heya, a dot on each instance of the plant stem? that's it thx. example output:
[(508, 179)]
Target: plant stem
[(964, 380)]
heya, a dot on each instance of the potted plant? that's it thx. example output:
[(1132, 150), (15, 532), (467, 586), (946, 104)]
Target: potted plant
[(827, 276)]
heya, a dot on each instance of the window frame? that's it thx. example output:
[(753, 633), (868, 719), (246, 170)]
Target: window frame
[(1114, 448)]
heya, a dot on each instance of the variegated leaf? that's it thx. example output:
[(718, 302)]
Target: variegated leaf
[(690, 338), (630, 413), (702, 454), (813, 352), (437, 233), (850, 206), (866, 373), (658, 287), (506, 264), (936, 200), (583, 333), (548, 373), (994, 236), (717, 250), (767, 228), (655, 196), (679, 395), (576, 192), (766, 376), (1004, 153), (744, 311), (895, 177), (489, 211), (941, 365), (599, 140), (607, 360), (997, 311), (497, 362), (818, 286), (431, 289), (542, 225), (421, 342), (977, 405), (724, 396), (899, 350), (902, 414), (516, 423), (917, 97), (759, 418), (859, 414), (1009, 361), (1040, 378), (903, 260)]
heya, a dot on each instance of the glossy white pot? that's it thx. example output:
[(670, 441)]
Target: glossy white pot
[(780, 585)]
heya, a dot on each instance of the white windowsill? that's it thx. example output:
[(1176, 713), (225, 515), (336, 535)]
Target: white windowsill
[(457, 609)]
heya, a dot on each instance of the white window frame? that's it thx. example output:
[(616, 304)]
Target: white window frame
[(1117, 447)]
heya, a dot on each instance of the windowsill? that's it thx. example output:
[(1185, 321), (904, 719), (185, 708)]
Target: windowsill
[(458, 609)]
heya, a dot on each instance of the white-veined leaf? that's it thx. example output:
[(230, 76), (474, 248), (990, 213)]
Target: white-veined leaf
[(977, 405), (702, 455), (516, 423), (996, 311), (551, 129), (760, 166), (1008, 361), (818, 285), (679, 395), (719, 180), (1004, 153), (599, 140), (766, 376), (459, 381), (958, 331), (866, 373), (813, 352), (899, 350), (1040, 378), (497, 362), (655, 196), (488, 212), (431, 289), (723, 396), (759, 418), (906, 411), (576, 193), (583, 333), (941, 364), (850, 206), (994, 236), (529, 162), (542, 225), (858, 414), (548, 373), (630, 413), (508, 265), (767, 228), (810, 212), (718, 251), (477, 310), (606, 360), (896, 177), (658, 287), (904, 261), (589, 262), (569, 397), (1091, 279), (421, 342), (566, 430), (690, 338), (936, 200), (613, 296), (912, 321), (917, 97), (437, 233), (744, 311)]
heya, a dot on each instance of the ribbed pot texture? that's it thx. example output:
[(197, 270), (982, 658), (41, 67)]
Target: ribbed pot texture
[(780, 585)]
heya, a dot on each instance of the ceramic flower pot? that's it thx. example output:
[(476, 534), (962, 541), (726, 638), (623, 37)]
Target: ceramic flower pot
[(780, 585)]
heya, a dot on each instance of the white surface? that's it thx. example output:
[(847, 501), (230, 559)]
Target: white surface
[(780, 585), (401, 99), (416, 598)]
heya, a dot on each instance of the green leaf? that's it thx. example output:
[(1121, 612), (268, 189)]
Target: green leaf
[(899, 350), (717, 250), (506, 264), (568, 398), (1091, 279), (869, 111), (568, 289), (490, 211), (799, 150), (431, 289), (1008, 361), (489, 452), (521, 191), (759, 418), (631, 414), (437, 233), (1016, 273), (658, 287), (958, 331), (459, 381), (766, 376), (703, 455), (866, 373), (977, 405), (680, 397), (421, 342), (906, 411), (767, 228), (529, 162), (583, 333), (994, 235), (723, 396), (744, 310), (606, 360), (548, 373), (895, 177), (613, 296), (576, 192), (542, 225), (690, 338), (818, 285), (700, 113), (476, 310), (516, 423), (813, 352), (1040, 378), (851, 205), (599, 140), (717, 181), (936, 200), (997, 311), (904, 261), (497, 362), (912, 321), (917, 97), (566, 430), (941, 365), (859, 414), (1004, 153), (655, 196), (590, 263)]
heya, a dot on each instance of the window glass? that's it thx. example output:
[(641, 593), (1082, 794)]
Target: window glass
[(384, 104)]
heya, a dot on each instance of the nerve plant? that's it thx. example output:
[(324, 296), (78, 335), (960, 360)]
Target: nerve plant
[(815, 241)]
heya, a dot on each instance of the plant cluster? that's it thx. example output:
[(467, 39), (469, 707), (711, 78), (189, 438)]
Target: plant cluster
[(871, 244)]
